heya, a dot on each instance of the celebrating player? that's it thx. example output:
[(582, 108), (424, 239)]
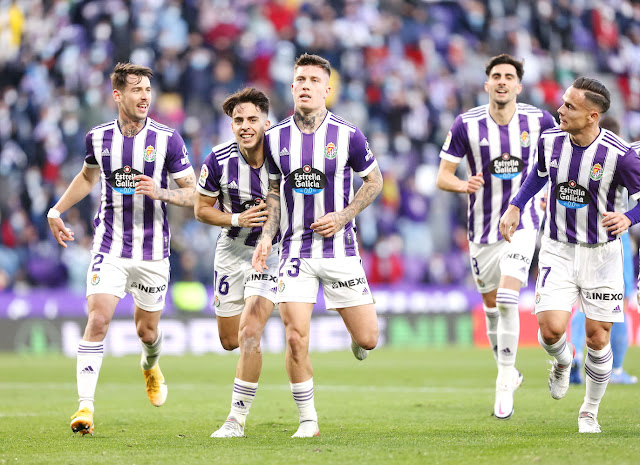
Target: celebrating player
[(498, 140), (581, 253), (313, 157), (134, 158), (235, 176)]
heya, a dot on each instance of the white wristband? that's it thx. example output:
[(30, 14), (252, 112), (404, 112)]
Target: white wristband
[(53, 213), (234, 219)]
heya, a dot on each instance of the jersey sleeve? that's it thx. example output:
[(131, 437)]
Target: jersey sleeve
[(209, 180), (90, 156), (361, 157), (540, 160), (177, 160), (456, 145), (629, 171), (547, 122)]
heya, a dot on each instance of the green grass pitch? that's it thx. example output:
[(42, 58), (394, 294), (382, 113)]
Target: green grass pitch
[(397, 407)]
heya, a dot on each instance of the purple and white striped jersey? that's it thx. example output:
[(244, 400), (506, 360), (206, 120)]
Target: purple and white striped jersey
[(316, 172), (225, 174), (128, 225), (585, 182), (504, 156)]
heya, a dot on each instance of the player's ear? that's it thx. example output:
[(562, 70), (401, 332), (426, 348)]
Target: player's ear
[(518, 89), (117, 96), (486, 86), (267, 124)]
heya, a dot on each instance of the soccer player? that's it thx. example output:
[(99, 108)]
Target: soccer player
[(234, 175), (498, 140), (133, 157), (581, 252), (313, 157), (619, 335)]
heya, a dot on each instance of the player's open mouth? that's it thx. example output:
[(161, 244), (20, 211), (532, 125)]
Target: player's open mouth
[(246, 136)]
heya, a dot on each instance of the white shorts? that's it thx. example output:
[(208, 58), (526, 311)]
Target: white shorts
[(145, 280), (595, 274), (343, 281), (491, 261), (235, 280)]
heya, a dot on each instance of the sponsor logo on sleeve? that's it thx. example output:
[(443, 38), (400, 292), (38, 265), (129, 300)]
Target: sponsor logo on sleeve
[(121, 180), (447, 142), (369, 155), (204, 174)]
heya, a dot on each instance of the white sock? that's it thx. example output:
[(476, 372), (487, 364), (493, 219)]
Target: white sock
[(560, 350), (151, 352), (303, 395), (88, 363), (597, 366), (491, 317), (508, 327), (241, 399)]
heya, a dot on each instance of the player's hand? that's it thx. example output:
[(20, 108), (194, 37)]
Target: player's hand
[(60, 232), (146, 186), (615, 222), (474, 183), (254, 216), (328, 225), (509, 222), (259, 260)]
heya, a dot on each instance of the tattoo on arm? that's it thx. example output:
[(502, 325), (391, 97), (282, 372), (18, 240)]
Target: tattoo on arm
[(270, 228), (183, 197), (366, 194)]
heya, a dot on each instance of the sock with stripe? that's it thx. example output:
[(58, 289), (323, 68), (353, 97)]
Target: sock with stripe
[(88, 363), (560, 350), (597, 368), (241, 399), (508, 328), (303, 396), (151, 352), (491, 317)]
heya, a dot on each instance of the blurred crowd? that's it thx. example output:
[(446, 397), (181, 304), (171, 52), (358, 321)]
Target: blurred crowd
[(403, 70)]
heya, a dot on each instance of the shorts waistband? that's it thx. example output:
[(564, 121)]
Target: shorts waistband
[(584, 244)]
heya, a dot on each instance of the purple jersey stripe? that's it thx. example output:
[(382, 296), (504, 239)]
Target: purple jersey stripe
[(574, 172), (105, 246), (349, 229), (236, 205), (329, 167), (148, 207), (308, 205), (285, 142), (127, 203), (528, 160), (256, 193), (164, 184), (552, 205), (485, 192), (611, 200), (505, 147), (473, 198)]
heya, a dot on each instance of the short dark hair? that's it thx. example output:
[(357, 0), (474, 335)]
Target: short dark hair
[(313, 60), (505, 59), (246, 95), (594, 91), (122, 70), (610, 123)]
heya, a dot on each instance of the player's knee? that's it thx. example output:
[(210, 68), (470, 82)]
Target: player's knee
[(97, 327), (368, 341), (597, 341), (297, 344), (229, 342), (147, 334), (249, 337)]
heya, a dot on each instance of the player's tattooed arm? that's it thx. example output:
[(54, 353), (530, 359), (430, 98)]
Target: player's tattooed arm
[(270, 228), (309, 123), (333, 222), (182, 197)]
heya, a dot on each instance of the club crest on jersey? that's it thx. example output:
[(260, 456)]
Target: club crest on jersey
[(572, 195), (525, 140), (150, 153), (121, 180), (95, 279), (307, 180), (330, 151), (204, 174), (506, 166), (596, 172)]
